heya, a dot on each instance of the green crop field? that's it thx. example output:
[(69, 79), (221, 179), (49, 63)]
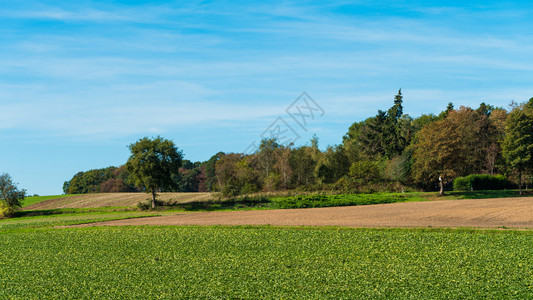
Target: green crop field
[(264, 262), (68, 218)]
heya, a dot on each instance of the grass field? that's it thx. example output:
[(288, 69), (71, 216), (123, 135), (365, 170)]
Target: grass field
[(57, 218), (264, 262)]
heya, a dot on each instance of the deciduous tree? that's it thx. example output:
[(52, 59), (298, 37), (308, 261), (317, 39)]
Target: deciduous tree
[(152, 164), (518, 143), (10, 196)]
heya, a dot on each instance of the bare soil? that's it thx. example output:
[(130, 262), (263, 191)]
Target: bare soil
[(114, 199), (479, 213)]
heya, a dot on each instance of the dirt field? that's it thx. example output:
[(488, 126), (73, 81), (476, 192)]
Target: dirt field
[(113, 199), (479, 213)]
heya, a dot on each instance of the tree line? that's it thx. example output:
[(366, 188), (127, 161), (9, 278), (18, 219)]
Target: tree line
[(390, 151)]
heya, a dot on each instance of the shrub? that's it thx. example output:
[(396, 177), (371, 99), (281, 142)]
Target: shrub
[(232, 188), (366, 171), (249, 188), (309, 201), (7, 211), (145, 205), (462, 184), (479, 182)]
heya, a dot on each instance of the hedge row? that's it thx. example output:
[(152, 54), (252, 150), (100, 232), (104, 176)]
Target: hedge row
[(479, 182)]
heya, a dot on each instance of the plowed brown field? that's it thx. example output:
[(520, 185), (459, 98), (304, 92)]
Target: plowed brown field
[(113, 199), (479, 213)]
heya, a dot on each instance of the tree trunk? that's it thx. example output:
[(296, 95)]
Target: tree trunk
[(153, 199), (441, 192)]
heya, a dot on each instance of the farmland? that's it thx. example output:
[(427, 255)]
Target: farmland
[(105, 200), (514, 213), (40, 258), (264, 262), (199, 201)]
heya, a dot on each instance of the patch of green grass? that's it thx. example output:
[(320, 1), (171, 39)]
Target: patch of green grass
[(265, 262), (64, 219), (59, 211), (32, 200)]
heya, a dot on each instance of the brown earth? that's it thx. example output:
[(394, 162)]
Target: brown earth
[(479, 213), (113, 199)]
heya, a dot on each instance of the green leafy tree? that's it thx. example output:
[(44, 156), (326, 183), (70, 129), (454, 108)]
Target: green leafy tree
[(212, 182), (105, 180), (334, 165), (385, 135), (518, 143), (10, 196), (445, 112), (365, 171), (236, 175), (266, 156), (496, 134), (283, 166), (152, 164), (371, 135), (303, 165)]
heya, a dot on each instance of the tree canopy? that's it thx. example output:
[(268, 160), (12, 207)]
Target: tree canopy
[(10, 196), (390, 151), (152, 164), (518, 143)]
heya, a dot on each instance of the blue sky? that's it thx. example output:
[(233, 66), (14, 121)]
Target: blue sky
[(80, 80)]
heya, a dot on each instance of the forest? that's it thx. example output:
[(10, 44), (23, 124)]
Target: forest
[(390, 151)]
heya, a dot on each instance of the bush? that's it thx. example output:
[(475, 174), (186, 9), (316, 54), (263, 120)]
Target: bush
[(462, 184), (147, 205), (249, 188), (310, 201), (479, 182), (232, 188), (7, 211)]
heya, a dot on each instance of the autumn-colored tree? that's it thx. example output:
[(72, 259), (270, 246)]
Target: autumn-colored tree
[(438, 154), (113, 185), (457, 145)]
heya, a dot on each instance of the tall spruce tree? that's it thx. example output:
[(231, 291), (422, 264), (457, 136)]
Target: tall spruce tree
[(393, 139)]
